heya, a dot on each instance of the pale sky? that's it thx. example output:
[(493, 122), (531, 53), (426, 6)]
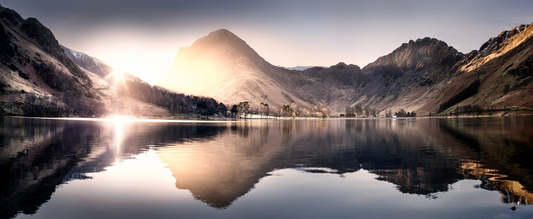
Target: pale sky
[(142, 37)]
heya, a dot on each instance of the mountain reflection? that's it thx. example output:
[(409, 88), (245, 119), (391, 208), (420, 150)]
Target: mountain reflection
[(421, 156), (220, 162)]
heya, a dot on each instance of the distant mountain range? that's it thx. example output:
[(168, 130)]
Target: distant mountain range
[(41, 77), (425, 75)]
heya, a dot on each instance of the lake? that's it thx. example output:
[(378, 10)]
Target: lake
[(333, 168)]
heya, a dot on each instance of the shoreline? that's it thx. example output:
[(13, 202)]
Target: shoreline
[(224, 119)]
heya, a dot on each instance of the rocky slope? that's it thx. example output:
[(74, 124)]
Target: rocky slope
[(429, 76), (37, 78)]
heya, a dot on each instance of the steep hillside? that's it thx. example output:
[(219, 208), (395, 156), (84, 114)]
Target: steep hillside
[(37, 78), (409, 75), (497, 77)]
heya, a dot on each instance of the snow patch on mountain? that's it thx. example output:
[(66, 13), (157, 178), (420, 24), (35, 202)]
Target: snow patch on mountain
[(297, 68)]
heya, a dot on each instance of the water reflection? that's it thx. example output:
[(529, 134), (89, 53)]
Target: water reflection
[(221, 162)]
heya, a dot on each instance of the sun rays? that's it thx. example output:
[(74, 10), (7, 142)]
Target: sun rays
[(117, 76)]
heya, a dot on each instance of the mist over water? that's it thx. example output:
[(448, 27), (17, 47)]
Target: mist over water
[(370, 168)]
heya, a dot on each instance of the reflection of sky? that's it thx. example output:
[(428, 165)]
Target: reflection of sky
[(144, 188)]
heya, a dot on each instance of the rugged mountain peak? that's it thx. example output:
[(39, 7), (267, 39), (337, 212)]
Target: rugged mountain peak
[(11, 16), (494, 42), (222, 42), (418, 54), (219, 37), (42, 35), (222, 34)]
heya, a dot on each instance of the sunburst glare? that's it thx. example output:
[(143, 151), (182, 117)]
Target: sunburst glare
[(118, 76)]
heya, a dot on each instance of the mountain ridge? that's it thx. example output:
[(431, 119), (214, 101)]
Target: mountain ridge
[(417, 76)]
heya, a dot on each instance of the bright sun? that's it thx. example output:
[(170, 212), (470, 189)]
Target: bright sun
[(118, 76)]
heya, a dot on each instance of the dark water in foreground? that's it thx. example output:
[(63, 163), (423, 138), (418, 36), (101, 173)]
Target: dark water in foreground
[(376, 168)]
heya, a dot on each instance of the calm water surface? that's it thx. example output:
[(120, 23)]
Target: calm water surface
[(367, 168)]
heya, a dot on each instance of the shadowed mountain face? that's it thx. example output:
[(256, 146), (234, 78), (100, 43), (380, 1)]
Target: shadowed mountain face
[(37, 78), (402, 78), (425, 75)]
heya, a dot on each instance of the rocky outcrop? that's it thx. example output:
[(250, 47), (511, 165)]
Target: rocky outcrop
[(45, 39), (494, 42)]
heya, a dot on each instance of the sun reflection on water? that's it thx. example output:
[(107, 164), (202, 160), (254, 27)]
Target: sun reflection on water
[(119, 136)]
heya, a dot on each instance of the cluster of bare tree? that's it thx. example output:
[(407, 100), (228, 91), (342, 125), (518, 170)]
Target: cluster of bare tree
[(264, 109), (243, 110), (293, 110), (318, 111), (290, 110), (240, 110), (358, 111), (400, 113), (175, 102)]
